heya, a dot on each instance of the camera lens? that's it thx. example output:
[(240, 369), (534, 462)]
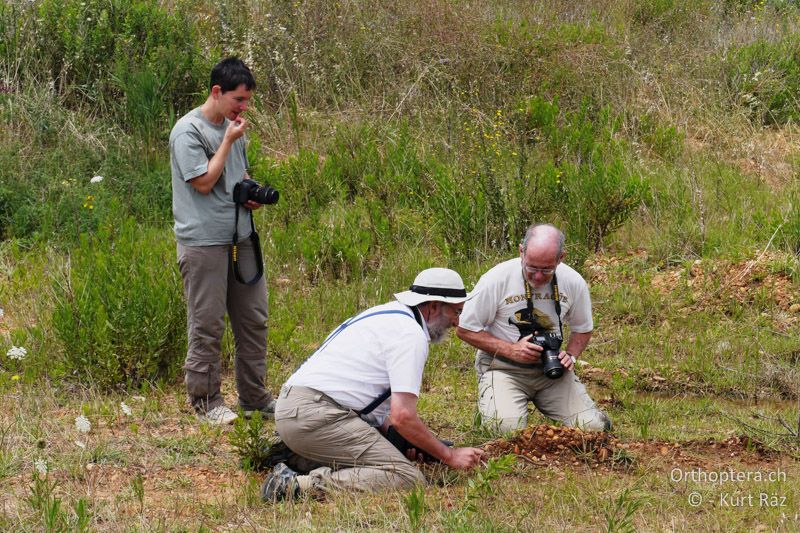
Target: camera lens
[(553, 368), (264, 195)]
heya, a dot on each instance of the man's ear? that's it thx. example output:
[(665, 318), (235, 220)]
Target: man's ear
[(216, 91), (563, 255), (435, 308)]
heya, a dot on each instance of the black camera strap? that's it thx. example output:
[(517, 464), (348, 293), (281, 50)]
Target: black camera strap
[(556, 300), (234, 252), (371, 406)]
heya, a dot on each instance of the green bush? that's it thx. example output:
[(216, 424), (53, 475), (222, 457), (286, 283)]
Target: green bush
[(133, 59), (663, 14), (45, 171), (764, 78), (574, 168), (118, 312), (348, 208)]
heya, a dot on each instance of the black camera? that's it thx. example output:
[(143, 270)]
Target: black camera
[(550, 342), (250, 190), (551, 347)]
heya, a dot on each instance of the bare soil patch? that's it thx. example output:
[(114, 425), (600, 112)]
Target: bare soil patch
[(546, 445)]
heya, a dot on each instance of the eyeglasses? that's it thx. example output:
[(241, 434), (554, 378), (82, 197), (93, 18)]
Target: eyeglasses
[(456, 310), (534, 270)]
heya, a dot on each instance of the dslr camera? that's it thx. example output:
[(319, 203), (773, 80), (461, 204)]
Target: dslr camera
[(551, 344), (251, 190), (549, 341)]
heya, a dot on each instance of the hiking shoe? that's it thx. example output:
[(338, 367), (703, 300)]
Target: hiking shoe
[(281, 484), (267, 412), (218, 416)]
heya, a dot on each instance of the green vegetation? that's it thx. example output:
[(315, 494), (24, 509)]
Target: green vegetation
[(658, 133), (116, 313)]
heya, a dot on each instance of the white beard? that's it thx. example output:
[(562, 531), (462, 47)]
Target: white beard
[(438, 329)]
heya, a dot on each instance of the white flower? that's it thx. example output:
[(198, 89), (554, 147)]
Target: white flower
[(96, 179), (80, 444), (138, 398), (82, 424), (17, 352), (125, 408), (40, 465), (2, 313)]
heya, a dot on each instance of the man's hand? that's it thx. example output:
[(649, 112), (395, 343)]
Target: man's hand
[(464, 458), (413, 455), (403, 416), (250, 204), (524, 351), (566, 361), (235, 129), (216, 165)]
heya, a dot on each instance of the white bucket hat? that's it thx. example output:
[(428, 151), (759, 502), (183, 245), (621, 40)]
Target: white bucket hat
[(439, 284)]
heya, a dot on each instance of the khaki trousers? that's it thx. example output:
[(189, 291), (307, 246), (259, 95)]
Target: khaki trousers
[(340, 450), (503, 401), (211, 289)]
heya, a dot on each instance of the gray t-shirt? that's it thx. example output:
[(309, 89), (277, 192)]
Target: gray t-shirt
[(500, 294), (205, 220)]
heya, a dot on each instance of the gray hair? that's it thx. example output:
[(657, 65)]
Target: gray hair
[(533, 230)]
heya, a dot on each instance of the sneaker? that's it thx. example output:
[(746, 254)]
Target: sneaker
[(218, 416), (267, 412), (281, 484)]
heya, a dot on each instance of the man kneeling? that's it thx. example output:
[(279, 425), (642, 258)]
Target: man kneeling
[(333, 411)]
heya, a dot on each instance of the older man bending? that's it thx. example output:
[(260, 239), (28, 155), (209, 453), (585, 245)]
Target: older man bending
[(361, 385)]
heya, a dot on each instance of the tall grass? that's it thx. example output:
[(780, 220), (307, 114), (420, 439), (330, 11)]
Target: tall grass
[(412, 129)]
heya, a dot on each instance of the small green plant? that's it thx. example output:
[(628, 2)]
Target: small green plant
[(643, 416), (622, 457), (137, 487), (249, 442), (43, 501), (414, 504), (479, 487), (82, 516), (619, 514)]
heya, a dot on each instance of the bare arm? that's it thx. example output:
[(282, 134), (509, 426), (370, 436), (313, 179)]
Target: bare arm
[(204, 183), (521, 351), (577, 343), (403, 416)]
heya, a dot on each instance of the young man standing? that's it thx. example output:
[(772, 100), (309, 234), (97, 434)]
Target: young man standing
[(208, 158)]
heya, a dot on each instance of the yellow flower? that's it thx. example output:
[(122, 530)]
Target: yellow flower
[(15, 378)]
